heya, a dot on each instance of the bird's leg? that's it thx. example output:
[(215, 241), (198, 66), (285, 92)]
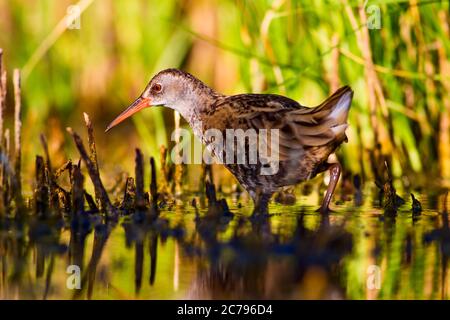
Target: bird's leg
[(261, 203), (335, 172)]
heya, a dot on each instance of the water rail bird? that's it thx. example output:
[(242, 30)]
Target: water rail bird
[(306, 136)]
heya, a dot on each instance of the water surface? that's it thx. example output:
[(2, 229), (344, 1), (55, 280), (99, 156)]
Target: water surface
[(353, 253)]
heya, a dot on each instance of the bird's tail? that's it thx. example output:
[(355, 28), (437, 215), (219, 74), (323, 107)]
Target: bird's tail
[(325, 123), (339, 105)]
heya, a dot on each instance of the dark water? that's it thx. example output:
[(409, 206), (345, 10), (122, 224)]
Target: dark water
[(354, 253)]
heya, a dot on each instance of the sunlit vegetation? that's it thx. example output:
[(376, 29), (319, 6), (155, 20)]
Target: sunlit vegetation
[(138, 236)]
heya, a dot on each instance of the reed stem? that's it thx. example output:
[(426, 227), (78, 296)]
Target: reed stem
[(17, 177), (92, 148), (105, 203), (139, 176)]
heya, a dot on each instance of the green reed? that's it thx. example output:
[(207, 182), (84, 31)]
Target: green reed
[(304, 49)]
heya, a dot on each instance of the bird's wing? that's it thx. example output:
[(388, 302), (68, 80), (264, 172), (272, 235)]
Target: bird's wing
[(298, 126)]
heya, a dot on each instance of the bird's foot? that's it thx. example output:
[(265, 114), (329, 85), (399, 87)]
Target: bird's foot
[(258, 217), (260, 213), (324, 210)]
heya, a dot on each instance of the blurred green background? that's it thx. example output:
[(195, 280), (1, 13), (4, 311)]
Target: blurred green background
[(399, 70), (303, 49)]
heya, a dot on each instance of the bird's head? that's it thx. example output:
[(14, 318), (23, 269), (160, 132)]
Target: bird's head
[(171, 88)]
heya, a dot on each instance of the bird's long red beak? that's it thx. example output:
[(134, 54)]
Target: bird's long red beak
[(136, 106)]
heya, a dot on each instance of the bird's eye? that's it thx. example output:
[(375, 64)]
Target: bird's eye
[(156, 88)]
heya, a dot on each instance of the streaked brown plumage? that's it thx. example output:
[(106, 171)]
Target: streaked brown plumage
[(307, 136)]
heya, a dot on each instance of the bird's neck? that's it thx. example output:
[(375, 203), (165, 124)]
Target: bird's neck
[(196, 104)]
